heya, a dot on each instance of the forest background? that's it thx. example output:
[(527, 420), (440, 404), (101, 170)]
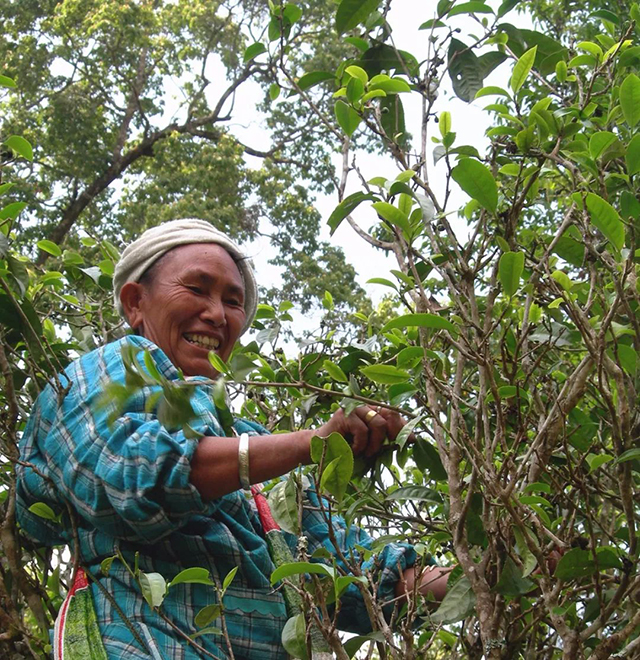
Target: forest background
[(509, 336)]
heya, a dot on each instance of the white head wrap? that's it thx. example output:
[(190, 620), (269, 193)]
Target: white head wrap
[(148, 248)]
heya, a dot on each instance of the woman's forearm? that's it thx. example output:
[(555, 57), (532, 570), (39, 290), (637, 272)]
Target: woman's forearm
[(433, 582), (214, 466)]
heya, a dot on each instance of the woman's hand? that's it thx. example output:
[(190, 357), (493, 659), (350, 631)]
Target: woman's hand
[(365, 428)]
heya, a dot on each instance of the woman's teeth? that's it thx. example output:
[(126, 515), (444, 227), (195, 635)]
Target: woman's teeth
[(203, 340)]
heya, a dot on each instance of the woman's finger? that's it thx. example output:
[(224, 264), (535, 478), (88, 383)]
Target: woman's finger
[(395, 422), (377, 428), (358, 429)]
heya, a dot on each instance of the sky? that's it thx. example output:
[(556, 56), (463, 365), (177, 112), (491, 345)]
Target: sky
[(469, 122)]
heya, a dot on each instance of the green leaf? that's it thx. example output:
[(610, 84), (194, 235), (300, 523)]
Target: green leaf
[(299, 568), (628, 358), (464, 70), (415, 493), (570, 250), (578, 563), (385, 374), (511, 583), (629, 206), (193, 575), (389, 86), (5, 81), (358, 72), (405, 176), (476, 7), (506, 7), (598, 460), (253, 51), (630, 99), (105, 564), (337, 463), (427, 458), (561, 71), (218, 364), (458, 604), (12, 210), (606, 219), (210, 630), (353, 12), (562, 279), (344, 581), (314, 78), (50, 247), (335, 372), (381, 58), (424, 320), (477, 181), (633, 156), (274, 91), (20, 146), (629, 455), (522, 68), (361, 44), (444, 123), (44, 511), (510, 270), (605, 15), (154, 588), (283, 502), (292, 13), (352, 645), (347, 117), (294, 637), (207, 614), (336, 477), (346, 207), (492, 90), (383, 281), (599, 142), (336, 447), (228, 578), (393, 215), (407, 430), (392, 118), (529, 560), (410, 356)]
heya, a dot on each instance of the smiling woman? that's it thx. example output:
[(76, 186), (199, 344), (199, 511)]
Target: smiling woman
[(164, 501), (192, 303)]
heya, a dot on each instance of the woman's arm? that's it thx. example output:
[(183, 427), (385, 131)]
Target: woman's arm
[(433, 581), (214, 466)]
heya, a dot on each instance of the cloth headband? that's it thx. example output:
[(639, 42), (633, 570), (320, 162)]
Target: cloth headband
[(153, 243)]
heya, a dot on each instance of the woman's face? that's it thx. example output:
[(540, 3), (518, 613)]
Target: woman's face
[(193, 304)]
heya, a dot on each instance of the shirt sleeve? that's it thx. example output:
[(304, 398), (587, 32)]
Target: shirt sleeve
[(386, 567), (128, 477)]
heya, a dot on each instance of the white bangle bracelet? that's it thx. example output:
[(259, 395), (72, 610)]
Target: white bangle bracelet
[(243, 461)]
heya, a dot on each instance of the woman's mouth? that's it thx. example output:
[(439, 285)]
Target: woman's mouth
[(210, 343)]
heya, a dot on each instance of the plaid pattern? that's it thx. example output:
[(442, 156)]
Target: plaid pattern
[(129, 486)]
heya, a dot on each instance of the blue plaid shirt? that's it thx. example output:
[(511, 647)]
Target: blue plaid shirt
[(128, 483)]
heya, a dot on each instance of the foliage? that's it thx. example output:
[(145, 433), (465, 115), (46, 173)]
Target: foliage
[(130, 105), (510, 342)]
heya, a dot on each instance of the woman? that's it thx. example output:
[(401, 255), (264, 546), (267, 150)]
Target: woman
[(167, 502)]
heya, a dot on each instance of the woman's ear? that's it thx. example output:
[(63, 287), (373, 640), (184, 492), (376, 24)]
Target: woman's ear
[(131, 298)]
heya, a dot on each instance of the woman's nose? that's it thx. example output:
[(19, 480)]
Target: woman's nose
[(214, 311)]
